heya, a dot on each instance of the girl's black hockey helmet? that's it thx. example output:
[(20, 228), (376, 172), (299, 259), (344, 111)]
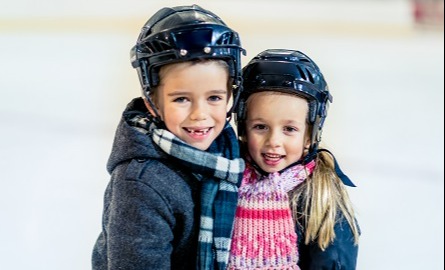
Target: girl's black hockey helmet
[(290, 72), (185, 33)]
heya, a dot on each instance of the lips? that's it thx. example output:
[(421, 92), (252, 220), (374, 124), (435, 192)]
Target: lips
[(272, 159)]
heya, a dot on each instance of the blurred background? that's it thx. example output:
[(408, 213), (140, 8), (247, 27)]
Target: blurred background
[(65, 78)]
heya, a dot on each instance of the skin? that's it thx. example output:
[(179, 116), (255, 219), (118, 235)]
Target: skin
[(192, 100), (276, 129)]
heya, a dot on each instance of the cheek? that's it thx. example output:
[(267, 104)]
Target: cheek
[(219, 115), (296, 148), (173, 115), (170, 113), (221, 110), (253, 144)]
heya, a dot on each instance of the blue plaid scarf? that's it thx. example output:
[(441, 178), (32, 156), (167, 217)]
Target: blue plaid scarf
[(220, 170)]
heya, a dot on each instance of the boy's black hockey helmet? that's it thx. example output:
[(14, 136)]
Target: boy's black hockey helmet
[(185, 33), (292, 72)]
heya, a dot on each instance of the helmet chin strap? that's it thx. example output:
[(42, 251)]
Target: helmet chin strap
[(154, 116), (343, 177), (156, 120), (236, 93)]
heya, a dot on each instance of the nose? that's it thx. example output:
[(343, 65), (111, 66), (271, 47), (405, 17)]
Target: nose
[(274, 139), (198, 112)]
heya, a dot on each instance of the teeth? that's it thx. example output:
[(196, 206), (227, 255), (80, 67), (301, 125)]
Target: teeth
[(272, 156), (200, 131)]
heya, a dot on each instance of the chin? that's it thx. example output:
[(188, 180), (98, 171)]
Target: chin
[(201, 146)]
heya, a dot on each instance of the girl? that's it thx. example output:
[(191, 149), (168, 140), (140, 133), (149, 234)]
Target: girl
[(293, 209)]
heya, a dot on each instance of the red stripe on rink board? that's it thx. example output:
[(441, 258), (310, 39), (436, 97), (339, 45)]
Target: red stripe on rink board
[(263, 213)]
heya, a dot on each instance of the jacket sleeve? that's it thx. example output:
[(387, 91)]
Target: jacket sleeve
[(341, 254), (137, 227)]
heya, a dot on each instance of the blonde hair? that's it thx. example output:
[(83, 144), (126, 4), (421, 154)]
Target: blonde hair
[(317, 202)]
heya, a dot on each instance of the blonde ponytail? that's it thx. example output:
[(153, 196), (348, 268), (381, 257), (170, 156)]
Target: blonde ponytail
[(317, 203)]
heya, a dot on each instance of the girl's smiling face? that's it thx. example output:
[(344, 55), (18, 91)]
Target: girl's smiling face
[(276, 129), (192, 100)]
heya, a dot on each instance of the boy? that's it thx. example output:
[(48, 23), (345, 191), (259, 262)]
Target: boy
[(175, 163)]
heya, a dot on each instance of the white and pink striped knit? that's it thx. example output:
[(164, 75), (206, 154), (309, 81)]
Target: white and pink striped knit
[(264, 235)]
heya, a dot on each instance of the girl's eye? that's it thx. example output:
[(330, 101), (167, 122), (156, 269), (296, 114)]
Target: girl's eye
[(290, 129), (259, 127)]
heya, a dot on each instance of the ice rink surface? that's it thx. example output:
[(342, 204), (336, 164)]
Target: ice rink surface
[(62, 93)]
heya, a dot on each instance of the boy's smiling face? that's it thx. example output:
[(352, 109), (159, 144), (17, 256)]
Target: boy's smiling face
[(192, 100)]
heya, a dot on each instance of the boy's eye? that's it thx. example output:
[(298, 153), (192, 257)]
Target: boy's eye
[(215, 98), (180, 99)]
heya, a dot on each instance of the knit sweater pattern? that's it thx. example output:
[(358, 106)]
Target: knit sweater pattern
[(264, 235)]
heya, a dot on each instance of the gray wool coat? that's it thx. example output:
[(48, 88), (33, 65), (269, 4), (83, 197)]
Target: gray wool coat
[(150, 219)]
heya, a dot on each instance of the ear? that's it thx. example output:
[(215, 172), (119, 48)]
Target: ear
[(307, 143), (150, 109)]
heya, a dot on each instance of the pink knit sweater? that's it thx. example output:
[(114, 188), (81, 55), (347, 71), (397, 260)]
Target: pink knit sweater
[(264, 234)]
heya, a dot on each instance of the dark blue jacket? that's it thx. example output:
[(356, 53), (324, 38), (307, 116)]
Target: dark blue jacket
[(149, 218), (339, 255)]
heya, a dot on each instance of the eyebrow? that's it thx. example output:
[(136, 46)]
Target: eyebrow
[(286, 122), (183, 93), (219, 91), (291, 121)]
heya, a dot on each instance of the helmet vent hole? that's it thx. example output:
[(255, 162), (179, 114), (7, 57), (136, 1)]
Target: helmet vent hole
[(159, 46), (302, 73), (146, 47), (154, 46), (310, 77), (225, 39)]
